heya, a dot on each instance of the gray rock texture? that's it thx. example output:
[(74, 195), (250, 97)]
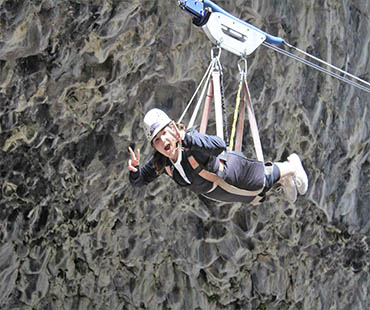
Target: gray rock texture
[(76, 78)]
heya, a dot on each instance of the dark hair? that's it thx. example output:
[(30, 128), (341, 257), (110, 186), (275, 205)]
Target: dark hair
[(159, 160)]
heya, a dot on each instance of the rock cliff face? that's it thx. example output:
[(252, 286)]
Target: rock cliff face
[(76, 79)]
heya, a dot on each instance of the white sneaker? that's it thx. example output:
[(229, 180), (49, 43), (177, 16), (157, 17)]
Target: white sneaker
[(289, 188), (300, 175)]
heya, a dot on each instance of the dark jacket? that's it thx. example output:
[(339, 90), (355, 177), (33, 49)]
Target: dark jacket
[(239, 171)]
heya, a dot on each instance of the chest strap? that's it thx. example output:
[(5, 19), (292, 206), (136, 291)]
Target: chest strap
[(218, 181)]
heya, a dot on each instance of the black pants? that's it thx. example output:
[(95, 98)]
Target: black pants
[(246, 174)]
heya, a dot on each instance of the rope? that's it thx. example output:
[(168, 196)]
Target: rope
[(200, 100), (215, 61), (236, 112), (319, 68), (207, 74)]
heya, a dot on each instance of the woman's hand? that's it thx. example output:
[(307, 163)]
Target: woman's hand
[(176, 133), (133, 163)]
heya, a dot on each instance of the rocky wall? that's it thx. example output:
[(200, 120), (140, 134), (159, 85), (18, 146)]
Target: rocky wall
[(76, 78)]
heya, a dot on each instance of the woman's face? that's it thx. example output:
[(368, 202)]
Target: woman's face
[(165, 143)]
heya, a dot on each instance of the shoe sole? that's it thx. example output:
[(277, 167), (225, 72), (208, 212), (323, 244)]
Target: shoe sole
[(302, 175), (290, 189)]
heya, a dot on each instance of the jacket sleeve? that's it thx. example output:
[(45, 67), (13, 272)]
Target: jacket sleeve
[(144, 175), (210, 145)]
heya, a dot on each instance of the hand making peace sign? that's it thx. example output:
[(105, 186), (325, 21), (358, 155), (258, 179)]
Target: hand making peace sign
[(133, 163)]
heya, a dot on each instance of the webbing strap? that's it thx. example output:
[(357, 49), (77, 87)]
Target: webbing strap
[(217, 181), (253, 123), (240, 128), (214, 91), (218, 103), (238, 121), (206, 108), (243, 96)]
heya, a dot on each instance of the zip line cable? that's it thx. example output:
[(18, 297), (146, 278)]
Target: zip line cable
[(326, 63), (319, 68)]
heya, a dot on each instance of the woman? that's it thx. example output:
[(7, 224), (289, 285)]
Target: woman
[(200, 163)]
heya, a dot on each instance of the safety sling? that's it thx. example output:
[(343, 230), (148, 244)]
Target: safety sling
[(213, 91), (218, 181)]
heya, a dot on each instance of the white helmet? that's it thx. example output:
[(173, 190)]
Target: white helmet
[(154, 121)]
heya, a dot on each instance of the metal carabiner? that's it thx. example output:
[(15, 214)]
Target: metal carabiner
[(218, 52), (243, 72)]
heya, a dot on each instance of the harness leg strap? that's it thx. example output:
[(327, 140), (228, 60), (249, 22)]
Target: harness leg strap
[(214, 178)]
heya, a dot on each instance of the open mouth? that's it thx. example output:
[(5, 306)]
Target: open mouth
[(167, 147)]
